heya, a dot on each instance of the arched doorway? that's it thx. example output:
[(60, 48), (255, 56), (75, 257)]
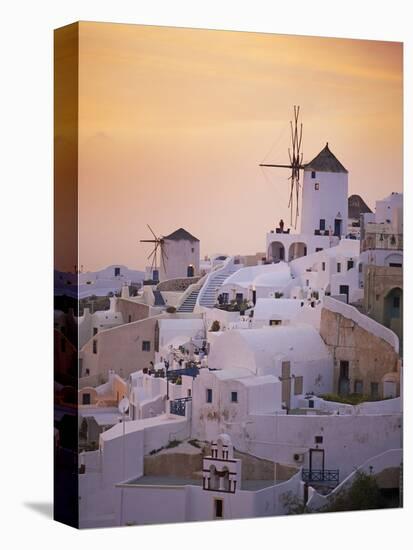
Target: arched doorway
[(297, 250), (276, 252)]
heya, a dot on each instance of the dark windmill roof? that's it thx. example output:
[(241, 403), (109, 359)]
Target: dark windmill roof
[(356, 207), (325, 161), (181, 235)]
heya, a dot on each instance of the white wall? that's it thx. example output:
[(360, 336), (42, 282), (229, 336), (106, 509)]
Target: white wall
[(325, 203)]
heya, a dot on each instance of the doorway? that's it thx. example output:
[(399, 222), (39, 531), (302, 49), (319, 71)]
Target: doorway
[(317, 460), (344, 290)]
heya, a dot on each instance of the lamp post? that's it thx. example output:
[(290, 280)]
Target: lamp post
[(123, 407)]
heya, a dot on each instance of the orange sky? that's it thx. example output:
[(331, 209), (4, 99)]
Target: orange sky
[(174, 122)]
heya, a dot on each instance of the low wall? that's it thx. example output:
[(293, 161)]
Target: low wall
[(177, 285), (389, 460), (362, 321)]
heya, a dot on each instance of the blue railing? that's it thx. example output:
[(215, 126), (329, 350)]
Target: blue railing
[(332, 476), (178, 406)]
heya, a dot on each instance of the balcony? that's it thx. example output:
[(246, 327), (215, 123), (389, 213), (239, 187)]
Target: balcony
[(382, 241), (321, 476)]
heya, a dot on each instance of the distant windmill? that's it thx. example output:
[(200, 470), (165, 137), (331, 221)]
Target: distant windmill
[(296, 164), (159, 247)]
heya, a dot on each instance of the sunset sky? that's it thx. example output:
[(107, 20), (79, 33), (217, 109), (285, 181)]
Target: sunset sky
[(174, 122)]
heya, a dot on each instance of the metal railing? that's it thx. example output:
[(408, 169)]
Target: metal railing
[(178, 406), (321, 476)]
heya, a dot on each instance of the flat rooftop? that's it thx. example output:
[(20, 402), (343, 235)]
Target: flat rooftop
[(168, 481)]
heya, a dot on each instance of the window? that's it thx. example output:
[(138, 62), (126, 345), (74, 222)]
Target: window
[(192, 249), (146, 345), (117, 271), (318, 249), (358, 387), (209, 395), (95, 331), (189, 392), (392, 264), (129, 318), (374, 390), (239, 297), (318, 439), (274, 322), (316, 186), (350, 264), (322, 225), (86, 399), (323, 266), (298, 385), (225, 297), (95, 346), (313, 175), (234, 397), (218, 508), (396, 302), (338, 268)]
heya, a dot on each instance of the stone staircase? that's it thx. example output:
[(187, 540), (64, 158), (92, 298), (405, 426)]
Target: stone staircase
[(188, 304), (214, 282)]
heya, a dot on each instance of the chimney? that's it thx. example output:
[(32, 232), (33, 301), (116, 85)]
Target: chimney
[(125, 291)]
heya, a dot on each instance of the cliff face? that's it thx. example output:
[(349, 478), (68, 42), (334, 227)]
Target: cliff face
[(371, 360)]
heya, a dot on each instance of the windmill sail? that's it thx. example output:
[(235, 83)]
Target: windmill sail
[(296, 164)]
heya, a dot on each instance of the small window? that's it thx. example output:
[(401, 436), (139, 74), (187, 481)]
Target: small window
[(234, 397), (318, 439), (318, 249), (189, 392), (274, 322), (117, 271), (316, 186), (374, 390), (95, 346), (350, 264), (323, 266), (86, 399), (146, 345), (338, 268), (209, 395), (192, 249), (218, 508), (313, 175), (396, 302), (358, 387), (298, 385), (392, 264), (95, 331), (322, 225), (239, 297), (129, 318)]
